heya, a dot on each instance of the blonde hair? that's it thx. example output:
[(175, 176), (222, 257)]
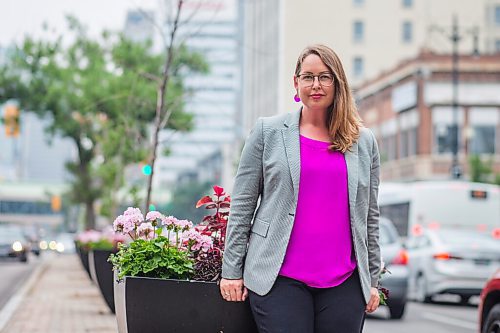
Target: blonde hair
[(343, 121)]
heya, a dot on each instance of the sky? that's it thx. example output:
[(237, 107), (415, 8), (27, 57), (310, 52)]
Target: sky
[(25, 17)]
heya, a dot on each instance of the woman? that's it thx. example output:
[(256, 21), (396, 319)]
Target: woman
[(311, 258)]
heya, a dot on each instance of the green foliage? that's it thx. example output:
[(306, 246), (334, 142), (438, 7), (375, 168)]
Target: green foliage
[(153, 258), (102, 244), (101, 94), (183, 199), (480, 171)]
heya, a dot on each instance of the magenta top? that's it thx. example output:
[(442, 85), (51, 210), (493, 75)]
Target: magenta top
[(320, 251)]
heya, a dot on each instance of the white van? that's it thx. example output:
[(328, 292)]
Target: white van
[(441, 204)]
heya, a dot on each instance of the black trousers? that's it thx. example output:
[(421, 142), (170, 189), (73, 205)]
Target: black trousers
[(293, 307)]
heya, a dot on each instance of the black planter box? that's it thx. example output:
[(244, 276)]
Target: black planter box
[(157, 305), (84, 258), (101, 272)]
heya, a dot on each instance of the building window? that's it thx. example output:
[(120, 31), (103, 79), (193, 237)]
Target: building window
[(408, 143), (358, 2), (407, 3), (358, 67), (443, 138), (358, 31), (482, 140), (407, 32), (497, 15), (497, 45)]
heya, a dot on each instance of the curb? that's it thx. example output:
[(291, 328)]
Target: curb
[(11, 306)]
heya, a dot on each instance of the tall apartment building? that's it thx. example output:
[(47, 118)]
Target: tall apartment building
[(370, 36)]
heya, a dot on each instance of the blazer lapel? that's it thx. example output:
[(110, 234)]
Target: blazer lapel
[(292, 149), (351, 158)]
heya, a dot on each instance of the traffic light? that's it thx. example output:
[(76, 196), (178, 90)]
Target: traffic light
[(11, 120), (56, 203), (146, 170)]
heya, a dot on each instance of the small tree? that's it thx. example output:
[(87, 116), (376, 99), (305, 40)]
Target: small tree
[(100, 95)]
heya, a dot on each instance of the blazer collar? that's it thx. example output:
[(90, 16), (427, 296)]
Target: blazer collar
[(293, 119)]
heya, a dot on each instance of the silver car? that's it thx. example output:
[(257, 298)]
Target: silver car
[(451, 262), (395, 258)]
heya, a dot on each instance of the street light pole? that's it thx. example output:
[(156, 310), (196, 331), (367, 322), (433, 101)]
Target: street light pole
[(455, 37), (456, 171)]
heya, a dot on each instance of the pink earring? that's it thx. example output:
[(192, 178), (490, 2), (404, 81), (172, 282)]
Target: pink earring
[(296, 98)]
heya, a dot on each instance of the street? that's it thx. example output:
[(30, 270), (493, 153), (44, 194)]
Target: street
[(428, 318), (13, 275)]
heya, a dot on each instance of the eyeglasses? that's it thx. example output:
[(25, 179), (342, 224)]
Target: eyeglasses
[(325, 79)]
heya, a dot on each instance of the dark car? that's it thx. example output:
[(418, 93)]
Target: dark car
[(395, 258), (489, 306), (13, 243)]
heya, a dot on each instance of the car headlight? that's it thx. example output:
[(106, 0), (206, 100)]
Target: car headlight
[(44, 245), (17, 246), (53, 245), (60, 247)]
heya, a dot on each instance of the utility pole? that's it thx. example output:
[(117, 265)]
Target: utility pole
[(455, 37)]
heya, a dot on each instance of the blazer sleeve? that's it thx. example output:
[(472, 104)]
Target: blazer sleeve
[(247, 188), (374, 259)]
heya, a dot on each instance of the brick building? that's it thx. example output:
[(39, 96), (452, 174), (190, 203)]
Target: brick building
[(410, 109)]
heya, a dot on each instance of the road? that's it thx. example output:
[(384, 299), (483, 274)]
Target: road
[(13, 274), (426, 318)]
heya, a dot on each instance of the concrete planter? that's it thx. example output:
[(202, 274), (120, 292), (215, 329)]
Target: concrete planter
[(157, 305)]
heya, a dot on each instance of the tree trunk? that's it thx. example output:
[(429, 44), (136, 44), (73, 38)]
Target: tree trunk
[(89, 215)]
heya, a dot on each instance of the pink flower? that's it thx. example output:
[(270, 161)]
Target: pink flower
[(184, 225), (134, 215), (169, 221), (124, 224), (146, 231), (154, 215), (89, 236)]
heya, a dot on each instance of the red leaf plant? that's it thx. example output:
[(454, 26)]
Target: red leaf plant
[(208, 265)]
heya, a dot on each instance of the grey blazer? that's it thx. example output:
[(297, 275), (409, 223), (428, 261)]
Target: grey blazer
[(269, 170)]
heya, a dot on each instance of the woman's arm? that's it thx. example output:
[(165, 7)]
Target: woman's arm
[(247, 188), (373, 216)]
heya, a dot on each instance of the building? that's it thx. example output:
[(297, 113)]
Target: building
[(139, 25), (205, 154), (369, 36), (410, 110)]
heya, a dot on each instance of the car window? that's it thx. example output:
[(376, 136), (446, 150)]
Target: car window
[(458, 238), (385, 235)]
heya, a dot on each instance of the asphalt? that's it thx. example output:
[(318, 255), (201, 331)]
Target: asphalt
[(59, 297)]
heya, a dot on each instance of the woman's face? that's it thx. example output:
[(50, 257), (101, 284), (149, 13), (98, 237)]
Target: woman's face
[(315, 83)]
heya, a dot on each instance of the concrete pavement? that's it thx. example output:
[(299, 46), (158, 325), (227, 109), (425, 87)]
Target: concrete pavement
[(59, 298)]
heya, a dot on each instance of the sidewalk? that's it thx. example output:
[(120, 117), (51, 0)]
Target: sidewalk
[(62, 300)]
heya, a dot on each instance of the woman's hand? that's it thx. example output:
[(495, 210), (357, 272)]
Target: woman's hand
[(374, 300), (233, 290)]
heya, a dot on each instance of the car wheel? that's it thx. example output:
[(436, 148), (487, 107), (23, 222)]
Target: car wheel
[(23, 258), (422, 296), (492, 322), (397, 310)]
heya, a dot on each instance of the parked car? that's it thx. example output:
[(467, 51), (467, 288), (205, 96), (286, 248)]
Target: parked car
[(444, 261), (395, 258), (489, 306), (13, 244), (65, 243)]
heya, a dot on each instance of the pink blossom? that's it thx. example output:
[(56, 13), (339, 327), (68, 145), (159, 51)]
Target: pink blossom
[(124, 224), (89, 236), (145, 231), (134, 215), (184, 225), (154, 215), (169, 221)]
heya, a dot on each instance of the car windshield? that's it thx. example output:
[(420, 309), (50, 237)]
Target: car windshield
[(459, 238)]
